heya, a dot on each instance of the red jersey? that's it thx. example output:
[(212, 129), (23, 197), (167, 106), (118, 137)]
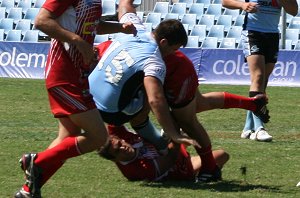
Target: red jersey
[(65, 63), (144, 165), (181, 79)]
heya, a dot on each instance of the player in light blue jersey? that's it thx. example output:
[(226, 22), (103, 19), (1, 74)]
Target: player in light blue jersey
[(260, 39), (127, 82)]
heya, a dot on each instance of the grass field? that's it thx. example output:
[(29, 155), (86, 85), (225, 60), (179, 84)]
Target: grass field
[(273, 169)]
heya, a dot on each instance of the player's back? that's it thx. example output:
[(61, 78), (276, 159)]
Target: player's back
[(121, 68)]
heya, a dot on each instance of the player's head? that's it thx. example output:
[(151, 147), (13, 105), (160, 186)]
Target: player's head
[(170, 35), (117, 150)]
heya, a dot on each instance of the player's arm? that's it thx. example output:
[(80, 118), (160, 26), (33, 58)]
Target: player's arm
[(160, 108), (125, 6), (290, 6), (242, 5), (46, 22), (105, 27)]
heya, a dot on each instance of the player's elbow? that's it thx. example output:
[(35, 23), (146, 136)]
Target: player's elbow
[(292, 10), (224, 4), (155, 103), (39, 22)]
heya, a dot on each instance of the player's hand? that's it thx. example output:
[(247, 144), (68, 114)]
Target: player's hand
[(182, 139), (129, 28), (250, 7), (86, 50)]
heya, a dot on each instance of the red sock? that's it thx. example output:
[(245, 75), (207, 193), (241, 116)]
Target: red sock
[(208, 161), (52, 169), (60, 153), (236, 101), (26, 188), (52, 159)]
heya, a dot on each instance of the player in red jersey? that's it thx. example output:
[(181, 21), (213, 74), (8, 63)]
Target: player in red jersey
[(181, 86), (72, 25), (185, 100), (138, 159)]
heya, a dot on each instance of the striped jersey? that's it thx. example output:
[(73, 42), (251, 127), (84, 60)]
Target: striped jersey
[(65, 63)]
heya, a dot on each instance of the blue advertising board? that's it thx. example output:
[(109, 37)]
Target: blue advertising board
[(224, 66), (23, 60), (213, 66)]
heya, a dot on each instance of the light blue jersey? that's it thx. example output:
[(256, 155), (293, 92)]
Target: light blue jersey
[(266, 19), (116, 83)]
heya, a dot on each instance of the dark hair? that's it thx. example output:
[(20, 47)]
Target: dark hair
[(173, 31), (104, 152)]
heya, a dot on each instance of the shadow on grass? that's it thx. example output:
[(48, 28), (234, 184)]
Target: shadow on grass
[(222, 186)]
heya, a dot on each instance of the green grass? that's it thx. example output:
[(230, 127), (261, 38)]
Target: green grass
[(273, 169)]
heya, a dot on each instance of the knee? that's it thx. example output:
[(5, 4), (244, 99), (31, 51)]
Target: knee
[(97, 139)]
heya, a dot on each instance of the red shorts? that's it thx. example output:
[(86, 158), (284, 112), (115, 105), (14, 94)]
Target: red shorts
[(181, 80), (69, 99)]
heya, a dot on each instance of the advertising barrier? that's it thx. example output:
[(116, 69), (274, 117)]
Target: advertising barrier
[(23, 60), (213, 66)]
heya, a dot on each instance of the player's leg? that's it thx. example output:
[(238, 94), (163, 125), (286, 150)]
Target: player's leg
[(271, 53), (220, 156), (225, 100), (44, 164), (249, 126), (146, 129), (209, 101), (95, 134), (78, 111), (256, 63), (269, 69), (66, 128), (260, 132), (187, 120), (259, 73), (257, 70), (72, 107)]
